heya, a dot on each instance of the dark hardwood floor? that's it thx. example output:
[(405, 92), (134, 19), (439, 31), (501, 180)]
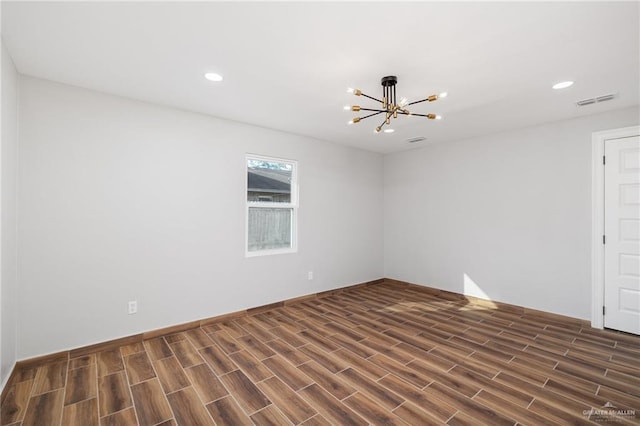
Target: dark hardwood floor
[(381, 354)]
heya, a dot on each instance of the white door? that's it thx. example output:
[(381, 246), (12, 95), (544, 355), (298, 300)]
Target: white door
[(622, 233)]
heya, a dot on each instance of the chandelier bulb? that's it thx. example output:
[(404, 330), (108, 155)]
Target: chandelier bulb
[(350, 90), (347, 108), (438, 117), (443, 95)]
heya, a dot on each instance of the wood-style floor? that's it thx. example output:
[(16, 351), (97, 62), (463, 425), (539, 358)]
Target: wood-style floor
[(382, 354)]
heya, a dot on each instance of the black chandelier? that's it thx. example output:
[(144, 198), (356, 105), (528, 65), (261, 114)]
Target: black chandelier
[(390, 106)]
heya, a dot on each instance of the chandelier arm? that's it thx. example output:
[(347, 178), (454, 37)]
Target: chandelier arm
[(417, 102), (370, 115), (371, 109), (370, 97), (413, 113)]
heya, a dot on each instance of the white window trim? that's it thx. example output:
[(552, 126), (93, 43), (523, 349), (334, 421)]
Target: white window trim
[(293, 205)]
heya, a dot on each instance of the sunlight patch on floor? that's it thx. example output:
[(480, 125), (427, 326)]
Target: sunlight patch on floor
[(473, 289)]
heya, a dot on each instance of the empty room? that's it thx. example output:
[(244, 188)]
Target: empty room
[(319, 213)]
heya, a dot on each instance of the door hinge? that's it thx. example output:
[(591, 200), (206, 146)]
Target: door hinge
[(603, 310), (604, 161), (604, 239)]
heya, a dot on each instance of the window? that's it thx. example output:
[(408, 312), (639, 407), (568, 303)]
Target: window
[(272, 204)]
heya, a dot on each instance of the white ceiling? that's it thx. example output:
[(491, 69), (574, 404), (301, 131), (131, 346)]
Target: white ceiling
[(287, 65)]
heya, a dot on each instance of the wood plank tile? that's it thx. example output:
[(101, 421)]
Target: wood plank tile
[(250, 366), (512, 395), (15, 402), (270, 416), (478, 411), (158, 348), (330, 382), (206, 384), (256, 347), (44, 409), (508, 409), (121, 418), (83, 413), (113, 393), (325, 359), (245, 392), (226, 412), (232, 328), (330, 408), (400, 370), (370, 410), (198, 338), (383, 397), (287, 373), (288, 336), (291, 405), (217, 360), (188, 409), (289, 353), (437, 409), (150, 402), (132, 348), (257, 331), (138, 368), (362, 365), (82, 361), (81, 384), (316, 420), (109, 362), (50, 377), (319, 340), (228, 344), (414, 415), (24, 373), (186, 354), (171, 375), (352, 345)]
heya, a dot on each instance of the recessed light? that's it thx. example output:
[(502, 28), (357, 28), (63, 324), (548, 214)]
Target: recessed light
[(562, 85), (389, 130), (212, 76)]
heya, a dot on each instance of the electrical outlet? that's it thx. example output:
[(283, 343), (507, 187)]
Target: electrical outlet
[(310, 275), (133, 307)]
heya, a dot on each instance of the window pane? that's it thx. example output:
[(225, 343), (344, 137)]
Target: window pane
[(269, 228), (269, 181)]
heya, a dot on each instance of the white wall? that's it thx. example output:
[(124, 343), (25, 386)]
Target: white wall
[(8, 219), (123, 200), (506, 216)]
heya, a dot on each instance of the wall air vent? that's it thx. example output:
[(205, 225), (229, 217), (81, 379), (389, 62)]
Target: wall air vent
[(595, 100)]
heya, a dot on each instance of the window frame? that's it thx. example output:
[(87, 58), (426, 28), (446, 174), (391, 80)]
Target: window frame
[(292, 205)]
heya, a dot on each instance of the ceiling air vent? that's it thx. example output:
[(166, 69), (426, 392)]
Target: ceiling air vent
[(598, 99), (415, 140)]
